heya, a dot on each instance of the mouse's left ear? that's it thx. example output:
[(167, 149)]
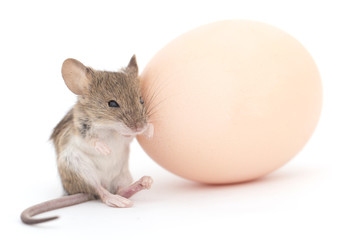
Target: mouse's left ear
[(76, 76), (133, 67)]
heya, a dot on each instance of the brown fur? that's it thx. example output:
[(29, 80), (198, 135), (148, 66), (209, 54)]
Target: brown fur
[(73, 183), (62, 131)]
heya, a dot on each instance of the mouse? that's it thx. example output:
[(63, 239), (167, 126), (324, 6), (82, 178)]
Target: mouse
[(92, 141)]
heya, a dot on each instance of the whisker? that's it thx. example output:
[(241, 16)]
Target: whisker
[(152, 92), (147, 92), (155, 108), (156, 119), (155, 89), (156, 92)]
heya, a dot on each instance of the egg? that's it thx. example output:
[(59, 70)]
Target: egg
[(230, 101)]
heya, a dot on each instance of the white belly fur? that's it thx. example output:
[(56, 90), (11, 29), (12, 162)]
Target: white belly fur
[(111, 171)]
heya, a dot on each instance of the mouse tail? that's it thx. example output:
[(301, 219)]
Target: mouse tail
[(28, 214)]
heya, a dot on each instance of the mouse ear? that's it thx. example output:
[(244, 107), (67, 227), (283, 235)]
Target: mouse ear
[(75, 75), (133, 67)]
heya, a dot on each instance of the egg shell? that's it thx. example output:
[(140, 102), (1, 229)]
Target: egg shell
[(230, 101)]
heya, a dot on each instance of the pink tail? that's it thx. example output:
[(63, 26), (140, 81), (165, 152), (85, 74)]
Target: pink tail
[(29, 213)]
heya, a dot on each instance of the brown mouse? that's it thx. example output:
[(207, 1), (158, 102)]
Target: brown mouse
[(92, 141)]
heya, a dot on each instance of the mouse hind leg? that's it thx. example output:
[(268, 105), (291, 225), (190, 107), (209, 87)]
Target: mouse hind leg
[(79, 175), (113, 200), (142, 184), (74, 183)]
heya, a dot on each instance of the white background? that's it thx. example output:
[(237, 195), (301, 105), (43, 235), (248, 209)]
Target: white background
[(299, 201)]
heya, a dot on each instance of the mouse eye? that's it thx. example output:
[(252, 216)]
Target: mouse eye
[(113, 103), (141, 100)]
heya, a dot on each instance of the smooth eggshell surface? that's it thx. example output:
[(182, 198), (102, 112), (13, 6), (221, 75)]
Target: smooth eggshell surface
[(230, 101)]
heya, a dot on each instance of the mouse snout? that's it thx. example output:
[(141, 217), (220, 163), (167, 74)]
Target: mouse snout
[(138, 127)]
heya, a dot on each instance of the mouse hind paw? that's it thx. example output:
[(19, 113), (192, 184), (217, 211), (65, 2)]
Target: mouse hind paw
[(117, 201), (146, 182), (142, 184), (113, 200)]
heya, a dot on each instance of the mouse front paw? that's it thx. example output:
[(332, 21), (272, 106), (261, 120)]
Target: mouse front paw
[(101, 147), (148, 133)]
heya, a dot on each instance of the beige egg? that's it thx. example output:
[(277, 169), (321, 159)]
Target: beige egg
[(230, 101)]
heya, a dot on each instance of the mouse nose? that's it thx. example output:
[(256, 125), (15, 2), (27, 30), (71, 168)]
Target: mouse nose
[(138, 127)]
